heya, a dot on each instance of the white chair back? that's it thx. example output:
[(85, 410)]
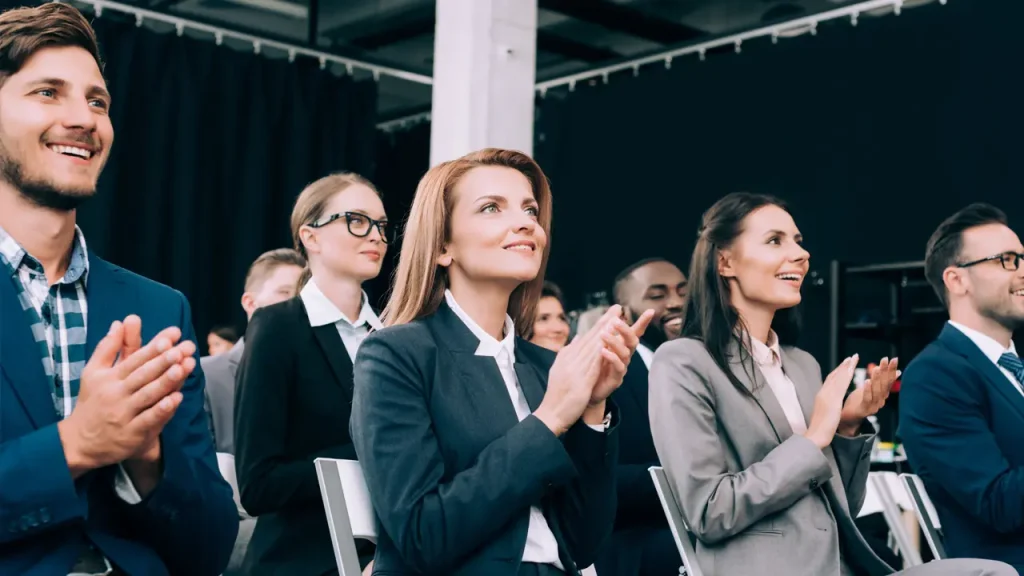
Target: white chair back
[(676, 522), (927, 516), (349, 511), (891, 495)]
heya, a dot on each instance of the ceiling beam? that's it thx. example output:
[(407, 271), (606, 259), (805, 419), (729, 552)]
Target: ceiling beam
[(623, 19), (419, 22), (572, 49)]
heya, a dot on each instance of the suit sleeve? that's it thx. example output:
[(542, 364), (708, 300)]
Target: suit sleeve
[(949, 441), (586, 506), (270, 477), (189, 519), (716, 502), (38, 493), (852, 454), (437, 518)]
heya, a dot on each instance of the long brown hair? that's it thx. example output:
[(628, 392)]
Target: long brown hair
[(311, 205), (419, 282), (709, 315)]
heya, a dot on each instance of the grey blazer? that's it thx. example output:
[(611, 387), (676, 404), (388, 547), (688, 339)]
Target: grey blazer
[(759, 499), (220, 395)]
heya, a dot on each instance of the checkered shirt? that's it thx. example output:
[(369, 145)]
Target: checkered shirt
[(56, 313)]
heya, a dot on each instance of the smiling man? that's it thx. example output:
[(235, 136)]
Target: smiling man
[(653, 283), (642, 543), (106, 462), (962, 397)]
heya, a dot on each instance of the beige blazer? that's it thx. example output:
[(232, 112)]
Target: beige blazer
[(759, 499)]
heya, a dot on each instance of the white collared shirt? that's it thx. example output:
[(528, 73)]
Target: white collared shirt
[(646, 354), (541, 546), (991, 349), (769, 359), (322, 312)]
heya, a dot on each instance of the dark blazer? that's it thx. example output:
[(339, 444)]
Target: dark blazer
[(292, 402), (639, 505), (187, 525), (642, 541), (452, 472), (962, 420)]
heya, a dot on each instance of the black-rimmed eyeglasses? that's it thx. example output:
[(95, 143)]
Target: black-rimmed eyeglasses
[(1009, 260), (359, 225)]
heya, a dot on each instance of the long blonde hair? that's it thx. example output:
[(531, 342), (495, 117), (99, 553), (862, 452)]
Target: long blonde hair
[(311, 205), (419, 282)]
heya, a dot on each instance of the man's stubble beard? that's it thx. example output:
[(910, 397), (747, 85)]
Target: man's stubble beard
[(39, 191)]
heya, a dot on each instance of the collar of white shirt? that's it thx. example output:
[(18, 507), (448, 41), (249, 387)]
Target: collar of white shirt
[(488, 345), (646, 354), (766, 354), (988, 345), (321, 311)]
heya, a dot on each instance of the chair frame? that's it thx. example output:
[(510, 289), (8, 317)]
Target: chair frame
[(927, 517), (676, 522), (333, 493)]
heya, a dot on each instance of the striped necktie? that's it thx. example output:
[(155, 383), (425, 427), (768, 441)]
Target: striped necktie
[(1012, 362)]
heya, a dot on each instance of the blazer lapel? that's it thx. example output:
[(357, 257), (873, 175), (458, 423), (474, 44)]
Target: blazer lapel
[(959, 343), (807, 385), (530, 381), (488, 397), (761, 391), (335, 352), (20, 360), (108, 301)]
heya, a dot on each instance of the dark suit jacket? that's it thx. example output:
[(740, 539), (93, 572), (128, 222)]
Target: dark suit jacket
[(220, 373), (962, 422), (292, 402), (639, 505), (452, 472), (187, 525)]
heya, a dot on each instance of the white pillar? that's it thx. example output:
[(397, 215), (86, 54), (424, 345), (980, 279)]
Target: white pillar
[(485, 54)]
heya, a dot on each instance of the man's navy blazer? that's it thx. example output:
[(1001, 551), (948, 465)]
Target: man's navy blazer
[(186, 525), (962, 423)]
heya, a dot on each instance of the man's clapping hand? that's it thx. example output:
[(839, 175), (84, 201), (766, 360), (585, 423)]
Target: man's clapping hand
[(126, 395)]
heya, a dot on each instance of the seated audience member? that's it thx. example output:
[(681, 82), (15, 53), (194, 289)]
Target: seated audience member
[(483, 453), (106, 463), (588, 319), (961, 401), (272, 278), (294, 381), (221, 339), (550, 327), (767, 462), (642, 543), (653, 284)]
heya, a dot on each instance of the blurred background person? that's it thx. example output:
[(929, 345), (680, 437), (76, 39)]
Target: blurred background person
[(642, 543), (653, 284), (221, 339), (295, 378), (550, 327)]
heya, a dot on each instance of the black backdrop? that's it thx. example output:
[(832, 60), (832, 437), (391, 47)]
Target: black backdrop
[(873, 134), (212, 145)]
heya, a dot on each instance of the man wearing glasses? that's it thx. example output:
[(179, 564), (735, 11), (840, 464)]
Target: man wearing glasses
[(962, 398)]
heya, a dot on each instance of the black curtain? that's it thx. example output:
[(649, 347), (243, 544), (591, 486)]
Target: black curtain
[(873, 134), (403, 157), (212, 145)]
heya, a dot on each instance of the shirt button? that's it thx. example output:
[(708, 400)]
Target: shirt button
[(814, 484)]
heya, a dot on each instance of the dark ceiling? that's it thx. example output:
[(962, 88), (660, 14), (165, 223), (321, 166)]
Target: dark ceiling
[(572, 35)]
